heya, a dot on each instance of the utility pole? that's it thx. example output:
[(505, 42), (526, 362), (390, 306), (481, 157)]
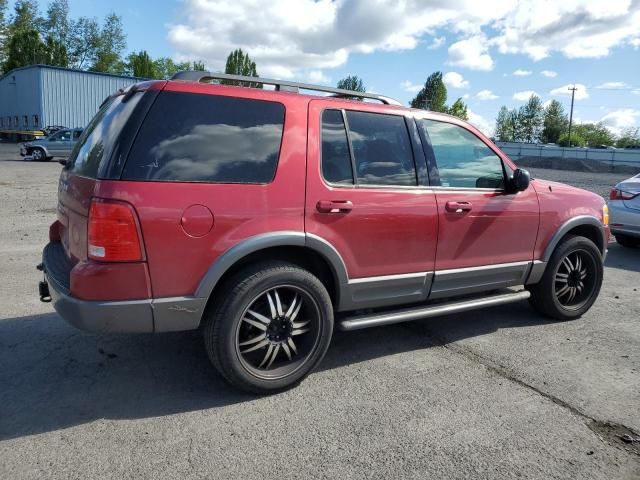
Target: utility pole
[(573, 92)]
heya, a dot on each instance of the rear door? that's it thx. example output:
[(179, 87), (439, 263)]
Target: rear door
[(365, 200), (486, 234)]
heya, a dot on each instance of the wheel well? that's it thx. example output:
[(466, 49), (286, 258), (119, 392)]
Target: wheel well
[(301, 256), (588, 231)]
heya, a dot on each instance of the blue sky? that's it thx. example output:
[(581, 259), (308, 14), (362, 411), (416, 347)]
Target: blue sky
[(395, 44)]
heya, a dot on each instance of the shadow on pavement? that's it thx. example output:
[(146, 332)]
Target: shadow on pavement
[(622, 258), (55, 377)]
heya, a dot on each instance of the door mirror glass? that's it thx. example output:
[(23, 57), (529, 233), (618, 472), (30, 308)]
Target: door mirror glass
[(520, 180)]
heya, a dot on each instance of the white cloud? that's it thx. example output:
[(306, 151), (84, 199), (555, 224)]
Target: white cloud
[(581, 92), (318, 76), (454, 80), (472, 53), (548, 73), (524, 95), (620, 119), (614, 86), (522, 73), (636, 91), (486, 95), (410, 87), (546, 104), (485, 126), (287, 38), (437, 43)]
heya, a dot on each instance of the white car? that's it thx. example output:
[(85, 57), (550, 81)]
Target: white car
[(624, 212)]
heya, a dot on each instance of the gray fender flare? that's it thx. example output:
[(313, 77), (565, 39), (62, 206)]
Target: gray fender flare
[(274, 239)]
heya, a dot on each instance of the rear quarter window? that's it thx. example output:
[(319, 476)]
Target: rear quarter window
[(188, 137)]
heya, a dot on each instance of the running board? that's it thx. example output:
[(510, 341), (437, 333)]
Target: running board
[(396, 316)]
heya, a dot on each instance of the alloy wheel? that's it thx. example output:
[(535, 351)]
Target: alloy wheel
[(574, 281)]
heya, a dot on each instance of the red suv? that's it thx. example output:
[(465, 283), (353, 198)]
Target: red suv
[(266, 216)]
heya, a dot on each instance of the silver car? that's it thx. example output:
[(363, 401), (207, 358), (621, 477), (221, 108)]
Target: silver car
[(624, 212), (58, 144)]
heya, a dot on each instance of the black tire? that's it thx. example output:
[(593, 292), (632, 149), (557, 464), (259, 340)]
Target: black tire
[(627, 241), (38, 154), (550, 296), (231, 316)]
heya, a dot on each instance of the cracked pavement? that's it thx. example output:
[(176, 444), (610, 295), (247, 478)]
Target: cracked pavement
[(495, 393)]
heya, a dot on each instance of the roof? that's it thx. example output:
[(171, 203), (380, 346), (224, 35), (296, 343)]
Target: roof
[(51, 67)]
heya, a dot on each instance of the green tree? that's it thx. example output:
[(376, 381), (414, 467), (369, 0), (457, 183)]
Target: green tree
[(576, 140), (594, 134), (25, 17), (555, 122), (628, 137), (352, 83), (25, 48), (433, 96), (111, 44), (4, 32), (84, 41), (531, 117), (459, 109), (239, 63), (56, 53), (141, 65), (57, 24), (504, 128), (198, 66), (516, 121)]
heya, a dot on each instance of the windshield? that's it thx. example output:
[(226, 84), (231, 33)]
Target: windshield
[(98, 139)]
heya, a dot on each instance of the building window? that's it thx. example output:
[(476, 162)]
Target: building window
[(36, 121), (25, 120), (15, 121)]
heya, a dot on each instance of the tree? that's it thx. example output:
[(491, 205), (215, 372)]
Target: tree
[(459, 109), (25, 17), (594, 134), (531, 118), (352, 83), (84, 41), (57, 24), (628, 137), (141, 65), (576, 140), (25, 48), (433, 96), (239, 63), (4, 32), (504, 127), (198, 66), (555, 122), (112, 42), (56, 53)]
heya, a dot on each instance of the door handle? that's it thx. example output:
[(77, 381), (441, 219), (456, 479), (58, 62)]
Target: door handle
[(458, 207), (334, 206)]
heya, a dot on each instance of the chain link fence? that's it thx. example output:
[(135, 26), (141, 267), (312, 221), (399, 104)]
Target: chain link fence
[(576, 158)]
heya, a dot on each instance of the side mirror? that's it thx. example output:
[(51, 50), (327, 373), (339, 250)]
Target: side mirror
[(520, 180)]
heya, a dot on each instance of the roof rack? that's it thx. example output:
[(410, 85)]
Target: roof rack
[(281, 85)]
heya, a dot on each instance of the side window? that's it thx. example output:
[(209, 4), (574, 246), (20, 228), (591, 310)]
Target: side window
[(463, 159), (336, 160), (64, 136), (381, 149), (76, 134)]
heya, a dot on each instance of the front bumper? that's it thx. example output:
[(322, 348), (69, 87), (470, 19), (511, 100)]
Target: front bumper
[(127, 316)]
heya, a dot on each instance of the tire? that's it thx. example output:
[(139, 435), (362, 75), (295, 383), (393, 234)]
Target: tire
[(569, 286), (259, 337), (38, 155), (627, 241)]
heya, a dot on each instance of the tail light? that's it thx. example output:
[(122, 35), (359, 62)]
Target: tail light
[(617, 194), (113, 232)]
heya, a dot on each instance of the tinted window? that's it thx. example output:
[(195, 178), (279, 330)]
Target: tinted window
[(382, 149), (64, 136), (98, 139), (207, 138), (463, 159), (76, 134), (336, 160)]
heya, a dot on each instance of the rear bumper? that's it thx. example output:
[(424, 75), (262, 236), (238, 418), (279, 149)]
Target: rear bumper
[(128, 316), (623, 219)]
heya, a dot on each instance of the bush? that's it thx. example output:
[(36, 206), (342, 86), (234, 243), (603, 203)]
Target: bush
[(576, 140)]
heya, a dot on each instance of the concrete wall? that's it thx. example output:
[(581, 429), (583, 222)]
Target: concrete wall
[(589, 156)]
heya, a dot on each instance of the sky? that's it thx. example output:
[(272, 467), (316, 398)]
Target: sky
[(491, 52)]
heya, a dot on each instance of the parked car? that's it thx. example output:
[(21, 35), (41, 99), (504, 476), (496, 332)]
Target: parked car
[(60, 144), (624, 207), (603, 147), (266, 217)]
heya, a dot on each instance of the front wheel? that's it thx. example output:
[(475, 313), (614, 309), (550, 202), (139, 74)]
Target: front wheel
[(270, 328), (572, 280), (38, 155)]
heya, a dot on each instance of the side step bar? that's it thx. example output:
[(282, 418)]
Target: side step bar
[(396, 316)]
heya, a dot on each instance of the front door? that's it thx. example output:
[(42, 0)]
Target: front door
[(365, 201), (60, 143), (486, 235)]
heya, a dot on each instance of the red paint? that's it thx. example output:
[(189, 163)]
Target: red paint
[(377, 231)]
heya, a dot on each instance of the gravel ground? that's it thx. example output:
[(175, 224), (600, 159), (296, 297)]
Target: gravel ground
[(497, 393)]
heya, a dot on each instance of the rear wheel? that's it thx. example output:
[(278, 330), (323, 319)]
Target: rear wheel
[(627, 241), (572, 280), (270, 328)]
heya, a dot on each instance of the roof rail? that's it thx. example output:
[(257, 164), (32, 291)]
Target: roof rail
[(281, 85)]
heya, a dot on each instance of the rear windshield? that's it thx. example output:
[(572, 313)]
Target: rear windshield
[(188, 137), (98, 139)]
